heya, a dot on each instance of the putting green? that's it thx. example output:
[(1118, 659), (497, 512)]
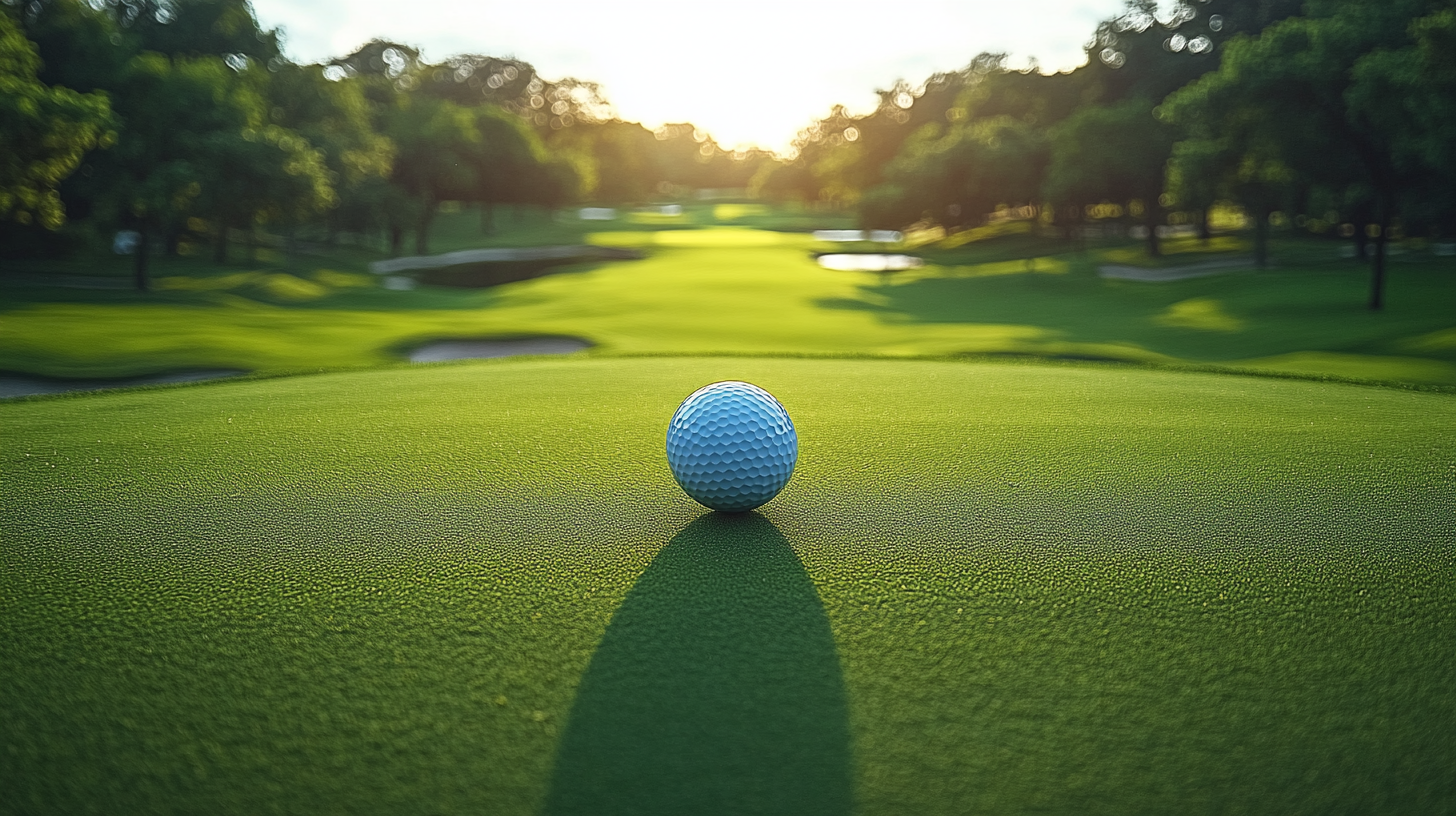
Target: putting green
[(475, 588)]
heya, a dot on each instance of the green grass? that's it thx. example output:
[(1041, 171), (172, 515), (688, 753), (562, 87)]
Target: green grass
[(733, 278), (474, 588)]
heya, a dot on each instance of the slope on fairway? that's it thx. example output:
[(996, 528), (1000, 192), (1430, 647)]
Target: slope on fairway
[(475, 589)]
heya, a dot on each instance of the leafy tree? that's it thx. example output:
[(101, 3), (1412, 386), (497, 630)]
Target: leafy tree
[(252, 170), (1114, 151), (437, 146), (152, 176), (195, 28), (44, 132), (959, 177), (255, 175), (80, 47), (474, 79), (1232, 158), (336, 117), (1196, 178), (509, 161), (1409, 92), (1295, 93), (620, 155), (192, 139)]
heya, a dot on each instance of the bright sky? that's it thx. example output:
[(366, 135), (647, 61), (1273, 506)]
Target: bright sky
[(749, 71)]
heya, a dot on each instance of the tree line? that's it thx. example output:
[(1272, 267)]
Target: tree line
[(182, 120), (1337, 114)]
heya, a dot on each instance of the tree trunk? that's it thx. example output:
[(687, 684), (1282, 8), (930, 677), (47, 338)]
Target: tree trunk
[(139, 259), (422, 233), (1362, 218), (1205, 232), (1261, 238), (219, 249), (487, 218), (1061, 216), (1150, 220), (396, 240), (1377, 274)]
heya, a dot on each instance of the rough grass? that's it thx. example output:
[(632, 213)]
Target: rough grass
[(989, 588)]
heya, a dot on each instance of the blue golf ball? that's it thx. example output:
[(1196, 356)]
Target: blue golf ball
[(731, 446)]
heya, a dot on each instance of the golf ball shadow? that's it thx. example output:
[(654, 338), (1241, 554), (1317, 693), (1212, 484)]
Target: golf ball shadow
[(732, 446), (715, 689)]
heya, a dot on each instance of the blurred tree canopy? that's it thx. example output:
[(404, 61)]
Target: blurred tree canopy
[(183, 120), (1339, 108), (44, 132), (1325, 100)]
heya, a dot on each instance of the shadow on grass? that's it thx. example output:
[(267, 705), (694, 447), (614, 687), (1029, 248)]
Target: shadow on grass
[(1279, 312), (716, 688)]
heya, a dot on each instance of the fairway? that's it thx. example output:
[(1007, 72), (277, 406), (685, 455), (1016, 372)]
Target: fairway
[(724, 288), (474, 588)]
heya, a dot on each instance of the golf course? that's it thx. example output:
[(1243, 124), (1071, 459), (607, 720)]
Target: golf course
[(742, 279), (1056, 542)]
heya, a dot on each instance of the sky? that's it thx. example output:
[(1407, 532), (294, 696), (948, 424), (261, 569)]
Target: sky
[(750, 72)]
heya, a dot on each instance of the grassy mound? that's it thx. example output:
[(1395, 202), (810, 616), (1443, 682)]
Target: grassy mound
[(475, 589)]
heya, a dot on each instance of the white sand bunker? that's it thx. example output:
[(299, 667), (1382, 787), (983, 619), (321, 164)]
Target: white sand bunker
[(484, 349)]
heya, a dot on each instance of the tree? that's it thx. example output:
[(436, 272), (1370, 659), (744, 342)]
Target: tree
[(1410, 93), (336, 118), (961, 176), (44, 132), (1117, 152), (80, 47), (192, 139), (195, 28), (509, 161), (1295, 91), (152, 176), (254, 175), (437, 146), (1232, 158), (621, 155)]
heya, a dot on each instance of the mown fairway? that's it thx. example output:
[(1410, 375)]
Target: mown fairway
[(717, 281), (475, 589)]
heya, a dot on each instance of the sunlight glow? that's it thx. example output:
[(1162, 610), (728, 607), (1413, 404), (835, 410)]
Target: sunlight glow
[(754, 75)]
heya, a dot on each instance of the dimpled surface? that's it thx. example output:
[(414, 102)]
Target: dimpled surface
[(732, 446)]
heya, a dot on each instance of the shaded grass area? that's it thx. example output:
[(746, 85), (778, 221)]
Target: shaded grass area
[(715, 689), (738, 289), (1229, 317), (1048, 589)]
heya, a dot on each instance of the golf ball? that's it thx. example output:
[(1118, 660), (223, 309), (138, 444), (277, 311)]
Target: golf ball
[(731, 446)]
